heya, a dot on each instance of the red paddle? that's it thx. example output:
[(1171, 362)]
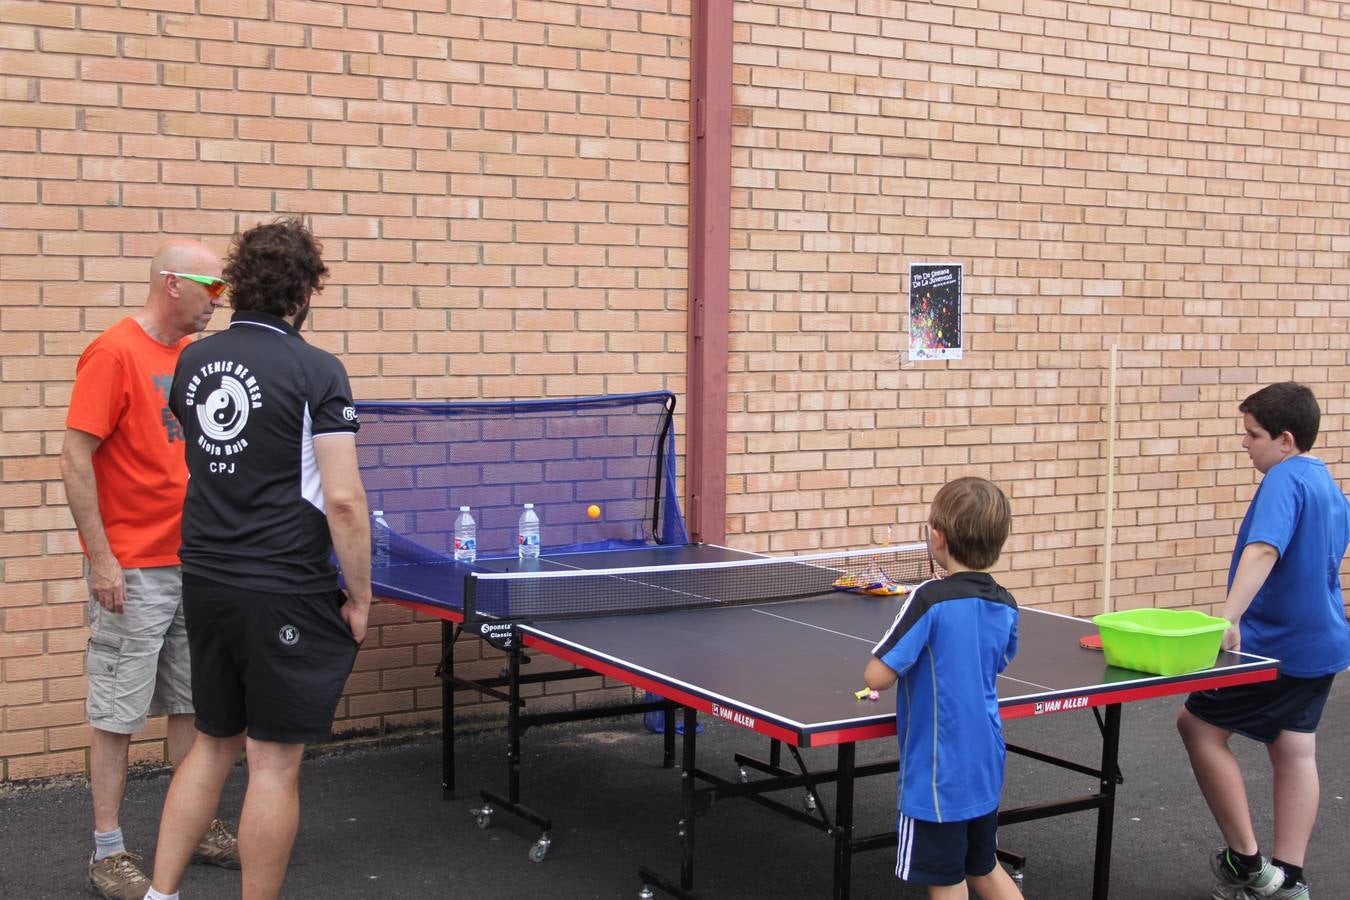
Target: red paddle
[(1090, 642)]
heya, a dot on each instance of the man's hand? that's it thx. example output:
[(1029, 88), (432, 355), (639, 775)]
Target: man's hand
[(355, 615), (106, 579), (108, 583), (348, 523)]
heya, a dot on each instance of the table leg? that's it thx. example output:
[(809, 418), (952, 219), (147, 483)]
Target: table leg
[(513, 726), (1106, 812), (688, 810), (447, 674), (843, 823), (668, 735)]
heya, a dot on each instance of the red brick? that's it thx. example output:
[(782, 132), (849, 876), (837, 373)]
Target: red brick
[(23, 768), (43, 716)]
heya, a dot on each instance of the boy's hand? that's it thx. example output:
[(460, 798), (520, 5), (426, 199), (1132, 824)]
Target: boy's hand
[(1232, 638)]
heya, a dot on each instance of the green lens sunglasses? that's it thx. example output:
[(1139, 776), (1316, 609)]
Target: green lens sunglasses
[(214, 286)]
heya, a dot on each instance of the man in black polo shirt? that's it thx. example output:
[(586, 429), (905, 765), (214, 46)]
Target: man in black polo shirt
[(274, 490)]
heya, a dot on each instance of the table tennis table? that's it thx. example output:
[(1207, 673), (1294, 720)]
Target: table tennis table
[(786, 669)]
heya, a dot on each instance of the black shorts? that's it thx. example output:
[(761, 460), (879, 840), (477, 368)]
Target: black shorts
[(945, 853), (273, 665), (1262, 710)]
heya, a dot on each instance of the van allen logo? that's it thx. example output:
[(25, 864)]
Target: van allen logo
[(289, 635), (1054, 706), (223, 394)]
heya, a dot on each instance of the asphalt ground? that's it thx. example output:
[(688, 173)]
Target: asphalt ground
[(373, 823)]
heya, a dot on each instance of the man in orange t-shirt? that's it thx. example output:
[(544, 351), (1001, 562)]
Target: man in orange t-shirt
[(125, 479)]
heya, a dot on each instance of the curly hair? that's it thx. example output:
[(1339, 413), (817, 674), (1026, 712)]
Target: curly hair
[(274, 268)]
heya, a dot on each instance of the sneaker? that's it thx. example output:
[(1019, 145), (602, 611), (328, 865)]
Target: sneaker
[(1296, 891), (1267, 880), (218, 847), (118, 877)]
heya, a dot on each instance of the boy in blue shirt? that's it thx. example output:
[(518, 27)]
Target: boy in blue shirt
[(946, 647), (1284, 598)]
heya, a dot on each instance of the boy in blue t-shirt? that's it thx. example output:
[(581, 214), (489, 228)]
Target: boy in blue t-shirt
[(1284, 598), (946, 647)]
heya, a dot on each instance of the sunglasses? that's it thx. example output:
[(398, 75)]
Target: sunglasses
[(214, 286)]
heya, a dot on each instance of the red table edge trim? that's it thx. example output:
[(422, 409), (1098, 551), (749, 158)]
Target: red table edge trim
[(1138, 692)]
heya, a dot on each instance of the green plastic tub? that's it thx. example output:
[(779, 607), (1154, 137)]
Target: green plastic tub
[(1160, 641)]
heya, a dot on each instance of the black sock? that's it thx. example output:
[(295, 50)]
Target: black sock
[(1292, 874), (1244, 864)]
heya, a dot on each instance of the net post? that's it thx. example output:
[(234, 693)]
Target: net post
[(664, 438), (470, 583)]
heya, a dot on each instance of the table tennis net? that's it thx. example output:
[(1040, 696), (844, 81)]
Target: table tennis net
[(580, 593)]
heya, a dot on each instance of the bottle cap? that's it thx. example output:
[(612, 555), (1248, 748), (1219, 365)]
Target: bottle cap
[(463, 509), (378, 512), (529, 506)]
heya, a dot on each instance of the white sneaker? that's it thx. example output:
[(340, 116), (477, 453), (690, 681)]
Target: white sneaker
[(1233, 886)]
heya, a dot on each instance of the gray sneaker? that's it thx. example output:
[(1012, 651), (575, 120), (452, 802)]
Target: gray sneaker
[(218, 847), (118, 877), (1233, 886), (1296, 891)]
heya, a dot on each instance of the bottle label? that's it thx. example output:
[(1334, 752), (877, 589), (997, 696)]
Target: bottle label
[(529, 540), (465, 544)]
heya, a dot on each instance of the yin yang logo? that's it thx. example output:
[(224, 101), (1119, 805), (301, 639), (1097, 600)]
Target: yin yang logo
[(224, 413)]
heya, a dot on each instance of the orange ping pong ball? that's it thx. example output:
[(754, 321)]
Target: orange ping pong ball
[(593, 511)]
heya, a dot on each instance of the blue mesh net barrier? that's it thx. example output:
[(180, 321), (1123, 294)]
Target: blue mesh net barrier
[(421, 461)]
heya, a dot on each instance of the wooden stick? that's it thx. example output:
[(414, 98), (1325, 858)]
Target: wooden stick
[(1107, 536)]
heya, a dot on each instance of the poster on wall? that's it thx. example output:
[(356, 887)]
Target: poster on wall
[(934, 311)]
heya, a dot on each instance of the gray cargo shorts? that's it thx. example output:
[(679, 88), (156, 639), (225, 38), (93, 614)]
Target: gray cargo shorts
[(137, 661)]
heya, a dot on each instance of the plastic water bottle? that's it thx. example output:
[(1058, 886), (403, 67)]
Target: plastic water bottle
[(529, 533), (466, 536), (379, 533)]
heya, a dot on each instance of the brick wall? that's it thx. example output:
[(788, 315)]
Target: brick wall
[(1109, 174), (501, 189)]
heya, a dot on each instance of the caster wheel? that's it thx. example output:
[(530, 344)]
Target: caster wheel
[(646, 893), (483, 817), (539, 849), (743, 776), (809, 802)]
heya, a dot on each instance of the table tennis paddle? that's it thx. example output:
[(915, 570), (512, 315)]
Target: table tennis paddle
[(1090, 642)]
